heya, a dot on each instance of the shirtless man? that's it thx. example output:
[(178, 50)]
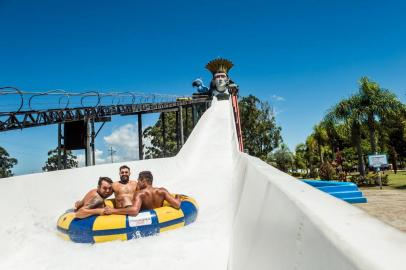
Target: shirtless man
[(124, 190), (93, 202), (147, 198)]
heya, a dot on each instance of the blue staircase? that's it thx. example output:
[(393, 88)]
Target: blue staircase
[(345, 191)]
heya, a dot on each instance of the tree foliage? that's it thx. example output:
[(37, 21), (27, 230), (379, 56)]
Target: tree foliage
[(320, 139), (327, 171), (260, 133), (52, 162), (300, 161), (369, 121), (393, 138), (350, 112), (376, 103), (283, 158), (6, 163), (310, 153), (155, 147)]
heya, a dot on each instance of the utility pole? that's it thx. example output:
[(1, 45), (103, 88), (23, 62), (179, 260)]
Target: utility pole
[(112, 152), (182, 137), (140, 146), (186, 122), (88, 149), (177, 131), (194, 115), (59, 146), (163, 133), (93, 136)]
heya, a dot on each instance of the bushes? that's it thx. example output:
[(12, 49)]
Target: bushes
[(385, 179), (327, 171), (369, 180), (313, 173), (297, 174)]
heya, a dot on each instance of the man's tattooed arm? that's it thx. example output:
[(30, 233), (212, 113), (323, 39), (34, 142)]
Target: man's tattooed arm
[(94, 207), (95, 202)]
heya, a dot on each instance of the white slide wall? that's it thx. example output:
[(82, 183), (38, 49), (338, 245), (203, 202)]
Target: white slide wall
[(251, 216), (282, 223)]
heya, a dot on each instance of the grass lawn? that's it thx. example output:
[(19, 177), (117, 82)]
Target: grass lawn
[(397, 180)]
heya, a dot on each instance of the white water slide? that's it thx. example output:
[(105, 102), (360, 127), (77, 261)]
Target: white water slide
[(252, 216)]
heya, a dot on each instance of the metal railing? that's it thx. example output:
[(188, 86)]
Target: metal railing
[(61, 106)]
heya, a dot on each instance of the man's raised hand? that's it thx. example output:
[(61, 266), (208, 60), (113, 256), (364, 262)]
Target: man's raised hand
[(78, 205)]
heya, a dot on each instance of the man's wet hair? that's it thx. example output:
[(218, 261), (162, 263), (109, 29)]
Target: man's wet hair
[(124, 167), (103, 178), (147, 175)]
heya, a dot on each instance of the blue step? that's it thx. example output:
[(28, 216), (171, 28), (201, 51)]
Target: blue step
[(323, 183), (346, 194), (355, 200), (345, 191), (330, 189)]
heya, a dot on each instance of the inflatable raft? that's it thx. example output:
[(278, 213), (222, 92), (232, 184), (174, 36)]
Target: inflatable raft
[(96, 229)]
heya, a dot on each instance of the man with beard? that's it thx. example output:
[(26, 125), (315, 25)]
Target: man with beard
[(124, 190), (147, 198), (93, 202)]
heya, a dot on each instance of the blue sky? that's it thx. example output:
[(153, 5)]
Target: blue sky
[(301, 56)]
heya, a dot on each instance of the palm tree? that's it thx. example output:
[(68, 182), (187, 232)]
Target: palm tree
[(283, 158), (321, 138), (311, 156), (350, 111), (392, 133), (301, 162), (376, 103)]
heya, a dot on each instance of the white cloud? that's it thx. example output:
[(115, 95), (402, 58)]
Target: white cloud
[(123, 140), (81, 159), (99, 157), (276, 111), (277, 98)]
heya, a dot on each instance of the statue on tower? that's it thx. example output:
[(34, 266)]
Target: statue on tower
[(221, 86)]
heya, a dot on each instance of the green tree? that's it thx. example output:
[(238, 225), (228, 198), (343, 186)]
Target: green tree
[(283, 158), (332, 137), (6, 163), (376, 103), (52, 162), (312, 156), (393, 137), (350, 111), (354, 124), (260, 133), (300, 160), (153, 134), (350, 159), (321, 138), (326, 171)]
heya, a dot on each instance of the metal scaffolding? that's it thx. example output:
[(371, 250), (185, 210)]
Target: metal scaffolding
[(69, 107)]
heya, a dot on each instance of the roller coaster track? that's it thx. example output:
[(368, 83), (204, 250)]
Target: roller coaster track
[(121, 103)]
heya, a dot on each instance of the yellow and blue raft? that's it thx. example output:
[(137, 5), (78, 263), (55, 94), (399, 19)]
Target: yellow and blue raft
[(96, 229)]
